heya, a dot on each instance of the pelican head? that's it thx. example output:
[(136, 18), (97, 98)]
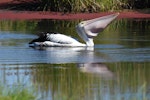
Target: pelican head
[(90, 28)]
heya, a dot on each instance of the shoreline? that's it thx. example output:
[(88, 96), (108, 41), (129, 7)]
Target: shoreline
[(37, 15)]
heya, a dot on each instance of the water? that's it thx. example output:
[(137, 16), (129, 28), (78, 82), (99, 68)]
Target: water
[(116, 68)]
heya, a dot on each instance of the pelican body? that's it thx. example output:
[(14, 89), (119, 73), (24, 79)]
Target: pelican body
[(85, 29)]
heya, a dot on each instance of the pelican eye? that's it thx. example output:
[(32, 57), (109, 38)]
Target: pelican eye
[(82, 23)]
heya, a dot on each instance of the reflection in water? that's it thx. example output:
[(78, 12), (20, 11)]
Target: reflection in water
[(66, 81), (65, 48), (122, 52), (15, 75), (99, 69), (70, 54)]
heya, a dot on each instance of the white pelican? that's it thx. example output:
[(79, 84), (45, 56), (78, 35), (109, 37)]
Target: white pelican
[(85, 29)]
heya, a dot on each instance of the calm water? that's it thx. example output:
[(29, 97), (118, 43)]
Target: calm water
[(118, 67)]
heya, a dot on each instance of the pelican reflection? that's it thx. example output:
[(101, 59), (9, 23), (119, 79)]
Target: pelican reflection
[(99, 69)]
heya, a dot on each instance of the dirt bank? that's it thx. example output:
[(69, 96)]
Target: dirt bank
[(30, 15)]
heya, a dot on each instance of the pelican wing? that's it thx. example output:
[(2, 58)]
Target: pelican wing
[(60, 38)]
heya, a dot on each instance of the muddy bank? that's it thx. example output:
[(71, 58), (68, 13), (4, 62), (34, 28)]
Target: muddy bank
[(30, 15), (26, 15)]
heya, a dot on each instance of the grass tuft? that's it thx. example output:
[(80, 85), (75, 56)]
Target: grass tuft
[(16, 93)]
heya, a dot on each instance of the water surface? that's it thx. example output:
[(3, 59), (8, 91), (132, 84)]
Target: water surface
[(117, 67)]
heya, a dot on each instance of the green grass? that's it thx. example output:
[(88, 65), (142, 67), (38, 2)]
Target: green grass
[(16, 93), (81, 5), (78, 5), (90, 5)]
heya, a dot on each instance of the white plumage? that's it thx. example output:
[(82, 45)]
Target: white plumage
[(61, 40), (85, 29)]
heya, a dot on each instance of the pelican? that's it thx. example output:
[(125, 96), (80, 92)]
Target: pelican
[(87, 30)]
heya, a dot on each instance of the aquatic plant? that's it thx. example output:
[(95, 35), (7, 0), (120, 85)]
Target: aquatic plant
[(77, 5), (90, 5), (81, 5), (16, 93)]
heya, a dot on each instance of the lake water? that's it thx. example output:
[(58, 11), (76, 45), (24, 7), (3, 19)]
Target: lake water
[(117, 67)]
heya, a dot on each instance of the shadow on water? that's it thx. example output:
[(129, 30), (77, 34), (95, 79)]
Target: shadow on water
[(116, 68)]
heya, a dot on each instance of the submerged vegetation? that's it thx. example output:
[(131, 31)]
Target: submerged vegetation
[(78, 5)]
